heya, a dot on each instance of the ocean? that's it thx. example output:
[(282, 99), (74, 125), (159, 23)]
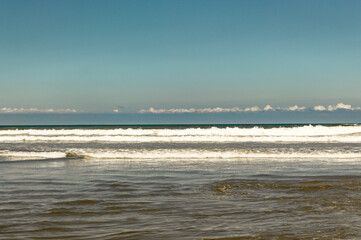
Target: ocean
[(181, 182)]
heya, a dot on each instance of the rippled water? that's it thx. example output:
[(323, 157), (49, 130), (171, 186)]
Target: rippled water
[(81, 197), (78, 199)]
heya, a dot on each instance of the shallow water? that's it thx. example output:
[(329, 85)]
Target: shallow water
[(302, 197), (80, 199)]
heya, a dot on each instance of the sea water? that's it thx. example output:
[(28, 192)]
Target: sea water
[(180, 182)]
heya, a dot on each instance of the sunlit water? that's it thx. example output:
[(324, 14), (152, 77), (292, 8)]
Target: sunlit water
[(63, 189)]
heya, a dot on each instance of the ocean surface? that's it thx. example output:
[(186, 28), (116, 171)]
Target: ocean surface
[(180, 182)]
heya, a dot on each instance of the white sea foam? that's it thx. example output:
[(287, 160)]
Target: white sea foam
[(351, 133), (31, 155), (164, 154)]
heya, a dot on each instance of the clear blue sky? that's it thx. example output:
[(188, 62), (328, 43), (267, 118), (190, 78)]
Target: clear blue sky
[(95, 55)]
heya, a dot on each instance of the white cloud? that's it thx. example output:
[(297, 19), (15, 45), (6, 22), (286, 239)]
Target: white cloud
[(319, 108), (268, 108), (336, 107), (35, 110), (173, 110), (340, 106), (200, 110), (251, 109), (219, 110), (294, 108)]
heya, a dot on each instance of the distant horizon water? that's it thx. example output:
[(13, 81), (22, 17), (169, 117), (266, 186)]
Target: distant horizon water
[(262, 117)]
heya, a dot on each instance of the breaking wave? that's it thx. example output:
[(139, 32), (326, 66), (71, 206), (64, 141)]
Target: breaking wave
[(320, 133)]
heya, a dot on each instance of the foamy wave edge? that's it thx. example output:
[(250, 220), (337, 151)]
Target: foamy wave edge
[(91, 154), (308, 133)]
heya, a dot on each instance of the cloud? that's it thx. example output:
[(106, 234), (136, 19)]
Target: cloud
[(336, 107), (35, 110), (294, 108), (268, 108), (200, 110), (319, 108), (252, 109), (220, 110)]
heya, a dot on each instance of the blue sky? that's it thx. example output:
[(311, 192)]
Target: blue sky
[(93, 56)]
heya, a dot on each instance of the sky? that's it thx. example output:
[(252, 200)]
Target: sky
[(131, 56)]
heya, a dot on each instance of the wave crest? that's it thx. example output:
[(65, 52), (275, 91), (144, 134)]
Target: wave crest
[(320, 133)]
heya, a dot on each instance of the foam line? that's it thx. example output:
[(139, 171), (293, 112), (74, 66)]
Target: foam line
[(230, 134)]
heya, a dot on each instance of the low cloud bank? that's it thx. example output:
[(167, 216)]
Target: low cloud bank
[(295, 108), (336, 107), (267, 108), (35, 110)]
